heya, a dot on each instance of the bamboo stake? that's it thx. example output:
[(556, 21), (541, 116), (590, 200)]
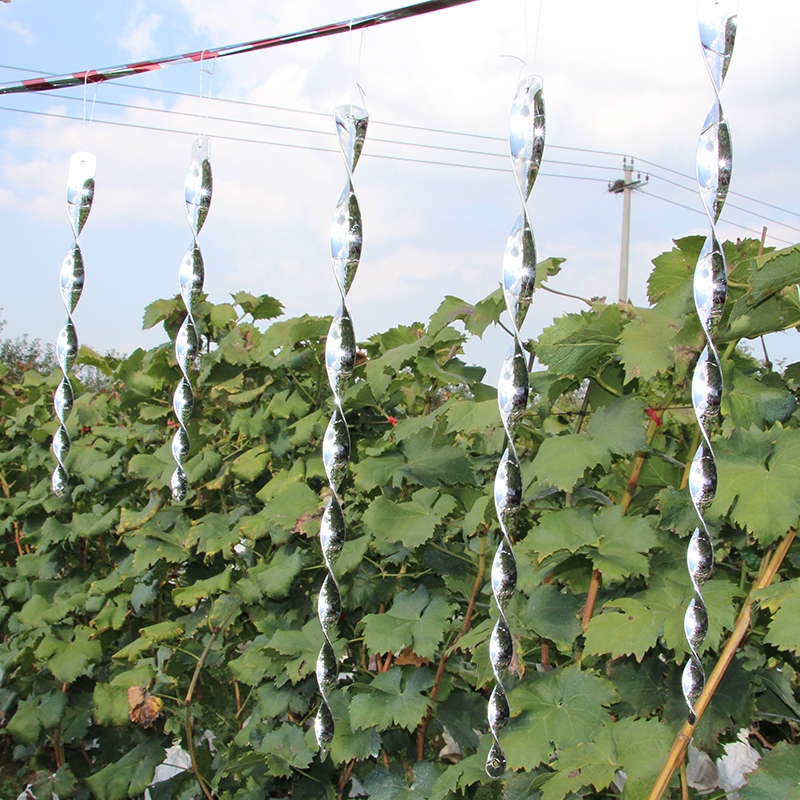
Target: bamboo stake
[(681, 743)]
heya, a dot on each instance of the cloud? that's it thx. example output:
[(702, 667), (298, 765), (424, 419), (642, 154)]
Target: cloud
[(23, 31), (138, 37)]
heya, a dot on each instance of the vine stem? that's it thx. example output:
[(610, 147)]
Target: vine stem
[(190, 694), (633, 482), (423, 726), (684, 736)]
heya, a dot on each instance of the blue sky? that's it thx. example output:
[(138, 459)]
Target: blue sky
[(619, 77)]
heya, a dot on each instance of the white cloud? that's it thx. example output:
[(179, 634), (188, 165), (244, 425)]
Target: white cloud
[(22, 30), (138, 37)]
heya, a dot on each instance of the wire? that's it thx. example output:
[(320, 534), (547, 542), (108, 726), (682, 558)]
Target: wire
[(385, 157), (445, 148), (702, 213), (693, 189)]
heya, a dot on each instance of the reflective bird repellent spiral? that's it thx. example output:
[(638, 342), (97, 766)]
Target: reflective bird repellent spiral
[(340, 355), (197, 193), (717, 21), (80, 193), (526, 141)]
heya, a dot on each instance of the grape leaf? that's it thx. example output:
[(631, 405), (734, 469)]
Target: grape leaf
[(629, 627), (784, 601), (778, 775), (620, 426), (641, 746), (576, 343), (758, 477), (414, 620), (644, 347), (615, 543), (562, 460), (552, 614), (285, 750), (585, 764), (565, 707), (385, 704)]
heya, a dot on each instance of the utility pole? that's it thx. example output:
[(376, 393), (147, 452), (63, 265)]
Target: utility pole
[(625, 187)]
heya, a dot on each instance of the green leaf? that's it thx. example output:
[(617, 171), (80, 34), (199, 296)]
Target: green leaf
[(615, 543), (385, 704), (288, 505), (585, 764), (158, 311), (629, 627), (641, 746), (129, 776), (190, 595), (758, 476), (414, 620), (67, 660), (110, 704), (25, 726), (784, 601), (620, 427), (564, 707), (370, 473), (432, 461), (470, 417), (562, 460), (645, 344), (576, 343), (754, 402), (777, 776), (285, 750), (301, 647), (274, 579), (222, 315), (770, 273), (552, 614), (348, 743), (261, 307), (411, 523), (672, 275), (251, 464)]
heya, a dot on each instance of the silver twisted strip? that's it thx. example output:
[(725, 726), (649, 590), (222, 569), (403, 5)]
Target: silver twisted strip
[(340, 356), (197, 194), (80, 194), (526, 141), (717, 23)]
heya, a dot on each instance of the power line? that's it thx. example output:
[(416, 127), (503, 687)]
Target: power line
[(693, 190), (702, 213), (423, 145), (385, 157), (327, 133), (425, 129)]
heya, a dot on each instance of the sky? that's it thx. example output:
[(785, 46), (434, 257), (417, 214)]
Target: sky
[(436, 191)]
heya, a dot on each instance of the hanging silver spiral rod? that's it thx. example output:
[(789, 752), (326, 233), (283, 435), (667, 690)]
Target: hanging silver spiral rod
[(197, 194), (717, 23), (80, 194), (340, 356), (526, 136)]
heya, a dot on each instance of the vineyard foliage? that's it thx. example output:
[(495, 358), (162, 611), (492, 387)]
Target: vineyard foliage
[(134, 627)]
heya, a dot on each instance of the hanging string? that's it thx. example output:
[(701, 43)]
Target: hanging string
[(205, 101), (536, 37), (355, 71), (86, 128)]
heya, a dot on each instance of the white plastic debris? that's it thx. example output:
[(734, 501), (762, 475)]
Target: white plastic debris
[(739, 759), (701, 771), (176, 760)]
